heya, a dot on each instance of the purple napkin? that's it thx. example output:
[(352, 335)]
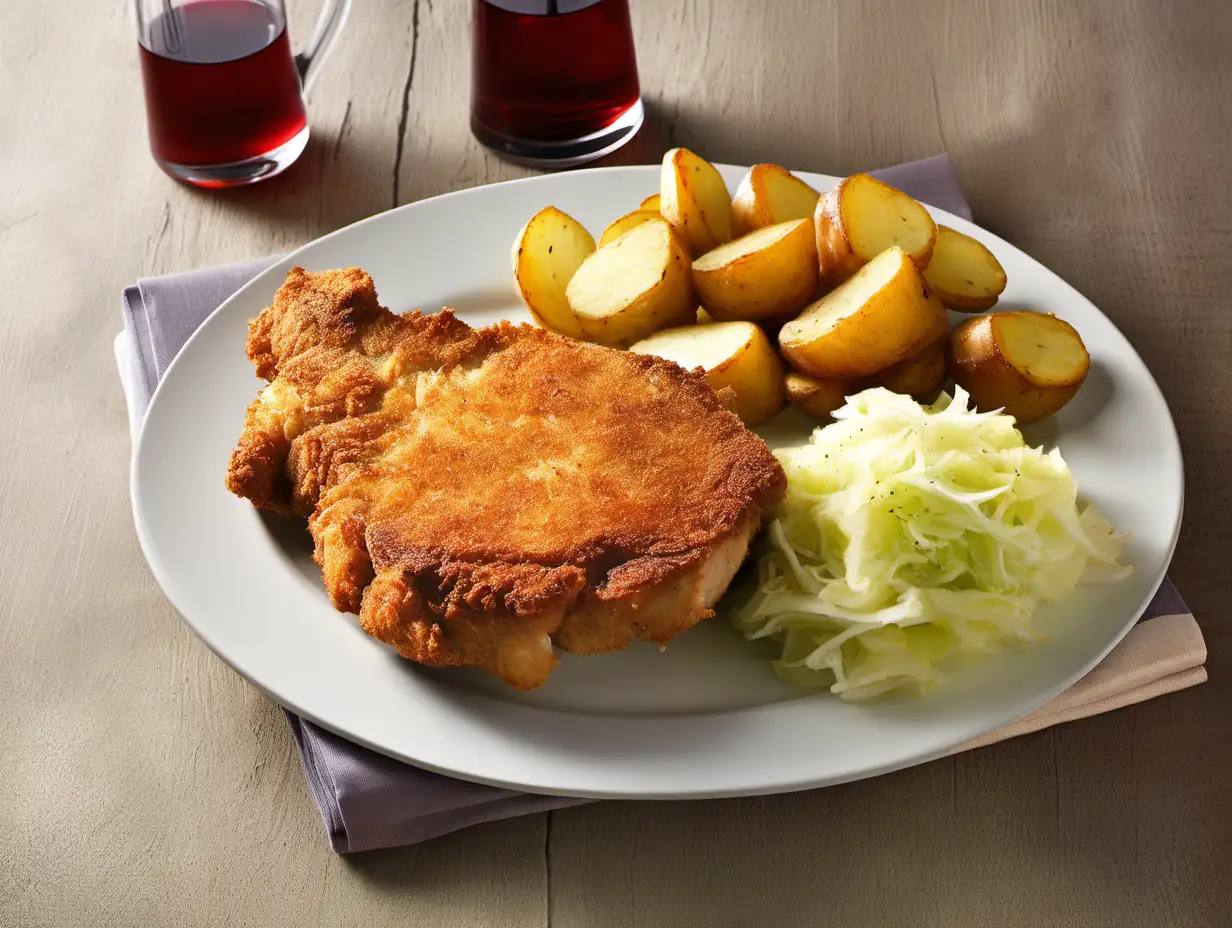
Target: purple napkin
[(368, 800)]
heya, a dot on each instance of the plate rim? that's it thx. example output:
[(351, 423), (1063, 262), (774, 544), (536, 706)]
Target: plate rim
[(770, 785)]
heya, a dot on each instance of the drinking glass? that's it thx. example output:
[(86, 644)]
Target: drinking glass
[(554, 82), (224, 93)]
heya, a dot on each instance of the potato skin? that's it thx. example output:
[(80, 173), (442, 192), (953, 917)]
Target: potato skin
[(898, 322), (920, 375), (694, 199), (747, 211), (836, 258), (752, 207), (818, 396), (977, 365), (756, 377), (534, 267), (751, 374), (943, 250), (775, 282), (619, 226)]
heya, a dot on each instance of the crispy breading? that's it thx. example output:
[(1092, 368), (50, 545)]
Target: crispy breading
[(477, 495)]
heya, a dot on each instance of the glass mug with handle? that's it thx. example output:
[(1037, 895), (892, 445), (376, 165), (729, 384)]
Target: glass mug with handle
[(224, 93)]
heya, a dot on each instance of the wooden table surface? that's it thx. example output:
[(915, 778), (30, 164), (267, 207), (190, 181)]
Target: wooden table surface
[(144, 783)]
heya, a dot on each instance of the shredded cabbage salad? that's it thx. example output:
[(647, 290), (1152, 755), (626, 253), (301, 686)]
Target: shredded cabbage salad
[(914, 536)]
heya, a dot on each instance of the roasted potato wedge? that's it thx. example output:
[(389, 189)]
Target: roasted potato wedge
[(703, 317), (651, 202), (861, 217), (694, 199), (1029, 364), (963, 273), (546, 254), (769, 195), (920, 376), (818, 396), (877, 318), (626, 222), (733, 354), (771, 273), (634, 285)]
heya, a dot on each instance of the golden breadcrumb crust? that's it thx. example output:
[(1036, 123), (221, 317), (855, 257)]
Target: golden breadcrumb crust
[(476, 495)]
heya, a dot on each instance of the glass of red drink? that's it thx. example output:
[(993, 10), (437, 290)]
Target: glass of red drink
[(554, 82), (224, 93)]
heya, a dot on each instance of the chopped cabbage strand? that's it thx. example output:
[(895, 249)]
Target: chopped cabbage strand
[(916, 536)]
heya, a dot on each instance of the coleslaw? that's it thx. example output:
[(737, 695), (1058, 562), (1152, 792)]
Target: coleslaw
[(912, 537)]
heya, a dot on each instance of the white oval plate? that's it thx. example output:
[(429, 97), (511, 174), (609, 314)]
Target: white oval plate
[(705, 717)]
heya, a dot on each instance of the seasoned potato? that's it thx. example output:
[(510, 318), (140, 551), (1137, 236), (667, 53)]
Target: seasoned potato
[(733, 354), (877, 318), (546, 253), (633, 286), (626, 222), (769, 195), (1029, 364), (818, 396), (861, 217), (651, 202), (963, 273), (769, 273), (920, 375), (703, 317), (694, 199)]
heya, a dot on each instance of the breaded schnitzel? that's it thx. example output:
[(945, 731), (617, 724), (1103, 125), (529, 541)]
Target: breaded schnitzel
[(477, 495)]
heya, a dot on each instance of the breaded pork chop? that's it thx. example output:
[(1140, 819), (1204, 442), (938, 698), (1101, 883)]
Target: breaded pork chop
[(477, 495)]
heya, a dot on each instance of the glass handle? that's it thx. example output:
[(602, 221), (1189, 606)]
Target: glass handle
[(329, 25)]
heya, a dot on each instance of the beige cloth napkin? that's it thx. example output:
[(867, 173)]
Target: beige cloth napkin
[(1158, 656)]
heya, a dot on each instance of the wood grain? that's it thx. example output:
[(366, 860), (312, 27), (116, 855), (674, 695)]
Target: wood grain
[(145, 783)]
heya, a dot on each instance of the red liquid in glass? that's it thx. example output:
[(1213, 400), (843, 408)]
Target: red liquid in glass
[(554, 77), (220, 83)]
